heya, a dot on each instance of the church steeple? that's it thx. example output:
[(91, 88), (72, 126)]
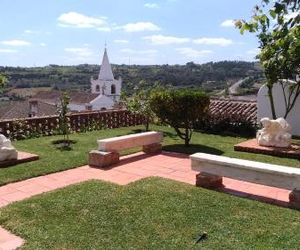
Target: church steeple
[(105, 70)]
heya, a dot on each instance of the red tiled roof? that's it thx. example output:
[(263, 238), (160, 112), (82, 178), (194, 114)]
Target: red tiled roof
[(21, 109), (76, 97), (234, 107)]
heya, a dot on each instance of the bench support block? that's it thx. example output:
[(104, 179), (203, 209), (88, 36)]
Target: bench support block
[(152, 148), (206, 180), (103, 159), (295, 198)]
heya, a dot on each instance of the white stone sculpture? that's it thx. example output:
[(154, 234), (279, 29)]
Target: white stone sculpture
[(7, 151), (274, 133)]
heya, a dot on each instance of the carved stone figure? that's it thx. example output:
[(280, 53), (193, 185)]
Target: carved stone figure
[(7, 151), (274, 133)]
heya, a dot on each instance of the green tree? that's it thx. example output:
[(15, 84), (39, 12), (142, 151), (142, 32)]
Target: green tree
[(277, 26), (180, 109), (63, 118), (3, 80), (139, 103)]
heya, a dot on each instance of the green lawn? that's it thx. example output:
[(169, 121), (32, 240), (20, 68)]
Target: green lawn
[(153, 213), (53, 160)]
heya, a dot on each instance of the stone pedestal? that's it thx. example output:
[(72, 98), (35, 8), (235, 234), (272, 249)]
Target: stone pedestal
[(152, 148), (209, 181), (103, 159), (295, 198)]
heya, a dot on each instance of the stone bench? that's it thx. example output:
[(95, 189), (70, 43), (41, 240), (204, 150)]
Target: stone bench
[(108, 149), (212, 168)]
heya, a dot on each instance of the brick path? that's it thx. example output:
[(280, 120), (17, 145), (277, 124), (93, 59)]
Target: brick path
[(131, 168)]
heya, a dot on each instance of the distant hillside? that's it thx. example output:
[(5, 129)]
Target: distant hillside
[(212, 77)]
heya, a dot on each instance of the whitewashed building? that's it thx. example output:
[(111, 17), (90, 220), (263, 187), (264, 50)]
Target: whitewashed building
[(264, 107), (105, 92), (106, 85)]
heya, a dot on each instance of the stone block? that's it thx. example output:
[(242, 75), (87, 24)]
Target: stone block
[(103, 159), (294, 198), (152, 148), (206, 180), (129, 141)]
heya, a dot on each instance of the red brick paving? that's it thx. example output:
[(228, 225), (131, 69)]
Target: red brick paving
[(131, 168)]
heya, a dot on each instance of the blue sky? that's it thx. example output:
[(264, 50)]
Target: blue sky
[(68, 32)]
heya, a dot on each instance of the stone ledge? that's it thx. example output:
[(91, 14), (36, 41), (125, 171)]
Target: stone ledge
[(129, 141), (251, 146), (22, 158), (210, 181), (152, 148), (103, 159), (294, 198)]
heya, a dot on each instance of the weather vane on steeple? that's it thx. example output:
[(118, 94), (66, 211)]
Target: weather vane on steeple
[(105, 45)]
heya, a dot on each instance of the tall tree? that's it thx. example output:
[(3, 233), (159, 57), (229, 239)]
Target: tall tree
[(277, 24), (63, 118), (3, 80)]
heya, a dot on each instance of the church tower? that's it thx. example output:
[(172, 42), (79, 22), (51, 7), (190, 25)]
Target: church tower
[(106, 84)]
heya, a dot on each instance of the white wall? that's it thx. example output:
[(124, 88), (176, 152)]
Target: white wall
[(76, 107), (102, 101), (264, 107)]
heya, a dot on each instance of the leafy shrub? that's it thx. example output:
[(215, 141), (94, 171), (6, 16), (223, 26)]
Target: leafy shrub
[(139, 103), (180, 109), (227, 124)]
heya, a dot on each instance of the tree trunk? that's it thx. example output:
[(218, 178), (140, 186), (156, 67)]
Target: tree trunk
[(187, 138), (147, 124), (270, 94)]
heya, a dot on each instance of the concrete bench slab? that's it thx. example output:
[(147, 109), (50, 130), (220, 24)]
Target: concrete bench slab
[(108, 149), (129, 141), (213, 166)]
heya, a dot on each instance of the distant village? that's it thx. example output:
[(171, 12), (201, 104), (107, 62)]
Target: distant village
[(105, 95)]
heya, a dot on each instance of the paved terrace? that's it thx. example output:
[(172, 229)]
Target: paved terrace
[(131, 168)]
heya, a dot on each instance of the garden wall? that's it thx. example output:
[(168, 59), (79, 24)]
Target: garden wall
[(79, 122), (264, 108)]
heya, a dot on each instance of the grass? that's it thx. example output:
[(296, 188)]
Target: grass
[(153, 213), (54, 160)]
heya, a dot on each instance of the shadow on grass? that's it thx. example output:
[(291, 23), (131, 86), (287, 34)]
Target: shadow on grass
[(193, 148), (63, 145)]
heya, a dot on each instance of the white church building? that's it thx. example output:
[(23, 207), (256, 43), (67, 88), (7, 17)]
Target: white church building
[(106, 84), (106, 87), (105, 92)]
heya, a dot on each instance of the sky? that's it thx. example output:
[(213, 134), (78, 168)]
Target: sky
[(71, 32)]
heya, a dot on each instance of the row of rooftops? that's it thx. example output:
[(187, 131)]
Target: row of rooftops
[(44, 104)]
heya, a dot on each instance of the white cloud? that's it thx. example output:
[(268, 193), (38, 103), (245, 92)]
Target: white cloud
[(30, 32), (80, 52), (139, 26), (213, 41), (16, 42), (291, 15), (151, 5), (77, 20), (43, 44), (163, 40), (228, 23), (192, 53), (123, 41), (106, 29), (254, 51), (140, 52), (8, 51)]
